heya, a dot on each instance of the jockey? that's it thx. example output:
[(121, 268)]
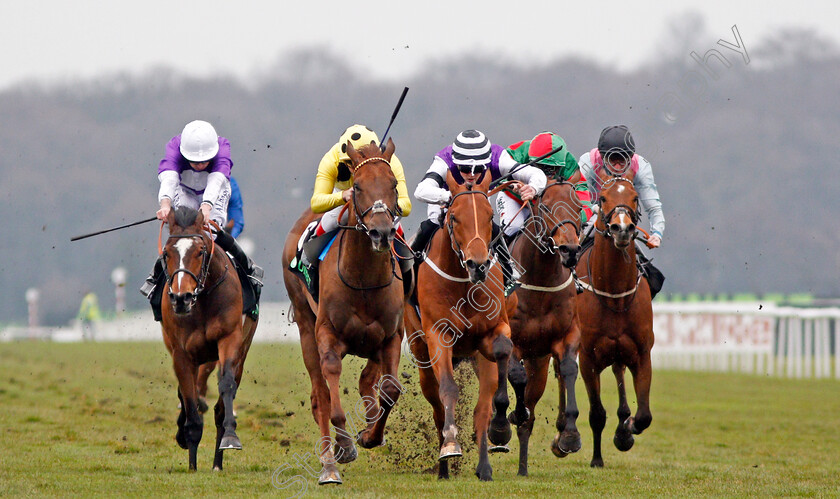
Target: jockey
[(195, 172), (468, 159), (334, 185), (616, 154), (560, 165)]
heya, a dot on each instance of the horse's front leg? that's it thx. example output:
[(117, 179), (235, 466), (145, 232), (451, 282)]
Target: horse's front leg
[(537, 371), (597, 415), (518, 377), (500, 350), (623, 438), (566, 371), (331, 352), (190, 423), (230, 364), (389, 392), (447, 393), (641, 384)]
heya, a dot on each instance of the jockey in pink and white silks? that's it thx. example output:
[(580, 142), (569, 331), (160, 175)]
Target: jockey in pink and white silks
[(468, 159), (195, 173)]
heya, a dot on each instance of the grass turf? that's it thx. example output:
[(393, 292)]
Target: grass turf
[(99, 419)]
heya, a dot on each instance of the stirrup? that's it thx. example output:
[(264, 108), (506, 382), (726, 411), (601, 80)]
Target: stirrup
[(147, 288), (256, 274)]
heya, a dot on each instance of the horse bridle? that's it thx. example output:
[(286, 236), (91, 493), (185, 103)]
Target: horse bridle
[(634, 215), (543, 209), (456, 246), (201, 278), (378, 206)]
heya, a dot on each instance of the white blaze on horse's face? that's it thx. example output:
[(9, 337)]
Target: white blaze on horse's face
[(183, 246)]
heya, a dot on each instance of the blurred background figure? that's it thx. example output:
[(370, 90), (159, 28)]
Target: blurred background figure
[(89, 315), (236, 216)]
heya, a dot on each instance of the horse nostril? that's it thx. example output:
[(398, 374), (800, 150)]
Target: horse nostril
[(470, 264), (631, 227), (615, 228)]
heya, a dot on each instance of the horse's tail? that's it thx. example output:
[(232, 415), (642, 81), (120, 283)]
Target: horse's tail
[(290, 315)]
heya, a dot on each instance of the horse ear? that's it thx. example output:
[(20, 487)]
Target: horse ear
[(353, 153), (389, 150), (575, 178), (454, 187), (199, 219), (630, 175)]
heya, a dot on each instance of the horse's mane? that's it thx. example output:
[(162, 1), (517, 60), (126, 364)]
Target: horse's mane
[(185, 217)]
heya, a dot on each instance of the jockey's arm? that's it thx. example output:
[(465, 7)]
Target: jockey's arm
[(528, 175), (323, 197), (645, 186), (403, 200), (431, 189)]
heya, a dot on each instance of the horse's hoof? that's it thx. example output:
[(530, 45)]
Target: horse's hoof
[(449, 450), (202, 405), (623, 440), (501, 449), (230, 442), (369, 444), (329, 477), (216, 468), (597, 463), (556, 449), (182, 441), (516, 420), (344, 455), (499, 434), (567, 442), (484, 474)]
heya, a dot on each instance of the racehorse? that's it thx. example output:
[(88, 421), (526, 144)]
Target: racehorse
[(359, 311), (615, 314), (463, 314), (202, 322), (545, 324)]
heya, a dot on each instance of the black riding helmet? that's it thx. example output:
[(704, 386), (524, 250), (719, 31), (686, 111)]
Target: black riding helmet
[(616, 140)]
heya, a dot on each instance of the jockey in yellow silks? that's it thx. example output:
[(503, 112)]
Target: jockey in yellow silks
[(334, 180)]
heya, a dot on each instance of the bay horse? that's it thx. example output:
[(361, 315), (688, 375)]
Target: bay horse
[(359, 311), (545, 325), (615, 314), (202, 322), (460, 292)]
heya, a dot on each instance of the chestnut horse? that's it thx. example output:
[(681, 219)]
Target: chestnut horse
[(545, 324), (615, 314), (462, 314), (359, 311), (202, 322)]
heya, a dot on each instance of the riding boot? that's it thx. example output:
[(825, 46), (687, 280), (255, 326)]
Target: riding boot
[(500, 247), (228, 243), (424, 233), (149, 285)]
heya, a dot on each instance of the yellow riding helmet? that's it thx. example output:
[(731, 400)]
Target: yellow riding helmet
[(358, 135)]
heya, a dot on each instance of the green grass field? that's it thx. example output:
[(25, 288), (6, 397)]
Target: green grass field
[(99, 419)]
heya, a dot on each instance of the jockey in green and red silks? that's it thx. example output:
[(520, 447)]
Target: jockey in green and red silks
[(561, 165)]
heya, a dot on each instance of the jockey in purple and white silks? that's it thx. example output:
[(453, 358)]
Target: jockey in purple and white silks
[(468, 159), (195, 173)]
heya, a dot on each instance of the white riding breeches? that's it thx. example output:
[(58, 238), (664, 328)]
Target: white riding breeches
[(186, 197)]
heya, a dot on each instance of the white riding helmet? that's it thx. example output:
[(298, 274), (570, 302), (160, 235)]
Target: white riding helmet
[(199, 142)]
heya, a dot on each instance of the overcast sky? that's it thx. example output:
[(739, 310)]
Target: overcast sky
[(59, 40)]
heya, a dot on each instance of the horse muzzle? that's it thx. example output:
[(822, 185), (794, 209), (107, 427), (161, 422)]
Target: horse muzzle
[(477, 271), (569, 254), (381, 239), (182, 303)]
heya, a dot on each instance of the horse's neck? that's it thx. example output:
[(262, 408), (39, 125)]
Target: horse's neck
[(542, 268), (359, 261), (612, 270)]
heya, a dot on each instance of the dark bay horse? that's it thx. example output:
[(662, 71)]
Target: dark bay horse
[(463, 314), (545, 324), (202, 322), (359, 312), (615, 314)]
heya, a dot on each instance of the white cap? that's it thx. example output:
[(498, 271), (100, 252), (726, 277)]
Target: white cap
[(199, 141)]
